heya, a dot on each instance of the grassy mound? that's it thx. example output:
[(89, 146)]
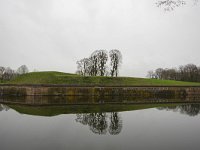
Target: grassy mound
[(73, 79)]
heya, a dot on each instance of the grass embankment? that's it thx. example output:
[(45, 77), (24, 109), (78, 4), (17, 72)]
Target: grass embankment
[(73, 79)]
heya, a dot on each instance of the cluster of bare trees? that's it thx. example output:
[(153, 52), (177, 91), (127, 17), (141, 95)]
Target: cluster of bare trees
[(6, 73), (96, 64), (189, 72)]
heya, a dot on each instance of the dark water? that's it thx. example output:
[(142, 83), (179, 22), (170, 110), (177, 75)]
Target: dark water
[(98, 127)]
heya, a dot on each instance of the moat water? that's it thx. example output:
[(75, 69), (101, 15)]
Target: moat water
[(100, 127)]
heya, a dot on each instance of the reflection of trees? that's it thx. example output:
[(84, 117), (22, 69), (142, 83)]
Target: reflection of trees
[(115, 124), (98, 122), (3, 107), (190, 109), (169, 5)]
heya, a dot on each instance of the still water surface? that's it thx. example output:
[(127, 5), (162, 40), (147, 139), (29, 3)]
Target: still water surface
[(140, 127)]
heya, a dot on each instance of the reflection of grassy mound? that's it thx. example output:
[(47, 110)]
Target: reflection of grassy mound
[(72, 79), (74, 109)]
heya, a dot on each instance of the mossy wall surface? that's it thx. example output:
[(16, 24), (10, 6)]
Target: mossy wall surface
[(59, 95), (145, 92)]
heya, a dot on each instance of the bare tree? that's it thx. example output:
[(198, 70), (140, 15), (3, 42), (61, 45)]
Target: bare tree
[(88, 66), (159, 73), (2, 70), (94, 62), (79, 67), (116, 60), (22, 69), (102, 60), (151, 74), (84, 66), (191, 72), (9, 74)]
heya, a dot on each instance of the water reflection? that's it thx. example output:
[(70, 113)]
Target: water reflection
[(101, 119), (96, 121), (187, 109), (4, 107), (116, 124), (100, 127), (101, 123)]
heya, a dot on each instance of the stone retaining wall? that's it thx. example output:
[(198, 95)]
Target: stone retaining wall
[(156, 91)]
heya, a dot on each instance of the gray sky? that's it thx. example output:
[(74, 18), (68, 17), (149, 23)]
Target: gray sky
[(54, 34)]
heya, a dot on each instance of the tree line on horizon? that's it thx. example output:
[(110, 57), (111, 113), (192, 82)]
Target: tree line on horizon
[(97, 64), (6, 73), (189, 72)]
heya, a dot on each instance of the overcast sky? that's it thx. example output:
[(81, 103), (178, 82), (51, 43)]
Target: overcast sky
[(54, 34)]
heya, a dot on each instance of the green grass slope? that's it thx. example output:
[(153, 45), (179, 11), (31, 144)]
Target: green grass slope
[(73, 79)]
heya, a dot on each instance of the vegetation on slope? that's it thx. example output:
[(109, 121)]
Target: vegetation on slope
[(73, 79)]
